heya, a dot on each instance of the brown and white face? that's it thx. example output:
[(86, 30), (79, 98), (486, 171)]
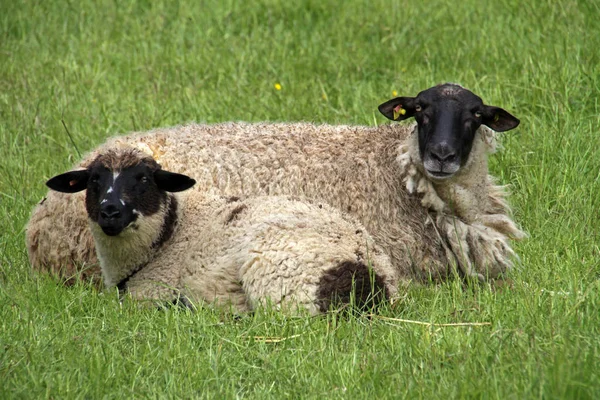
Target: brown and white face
[(448, 117), (115, 198)]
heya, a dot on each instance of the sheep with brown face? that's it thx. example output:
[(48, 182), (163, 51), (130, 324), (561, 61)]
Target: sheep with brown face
[(423, 191), (157, 244)]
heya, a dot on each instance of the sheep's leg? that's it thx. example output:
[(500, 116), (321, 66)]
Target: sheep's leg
[(490, 251)]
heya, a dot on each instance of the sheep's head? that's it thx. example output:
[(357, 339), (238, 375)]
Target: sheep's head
[(448, 117), (121, 186)]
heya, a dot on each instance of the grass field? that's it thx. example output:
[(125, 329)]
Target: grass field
[(108, 67)]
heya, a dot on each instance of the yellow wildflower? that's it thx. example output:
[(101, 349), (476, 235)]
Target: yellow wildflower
[(277, 86), (394, 93)]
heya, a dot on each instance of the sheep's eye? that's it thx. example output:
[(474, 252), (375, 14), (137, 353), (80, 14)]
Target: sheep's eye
[(418, 108), (478, 114), (144, 179), (95, 179)]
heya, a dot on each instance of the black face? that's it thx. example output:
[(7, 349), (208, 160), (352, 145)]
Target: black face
[(115, 199), (448, 117)]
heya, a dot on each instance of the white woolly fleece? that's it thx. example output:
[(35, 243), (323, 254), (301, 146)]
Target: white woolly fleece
[(372, 173)]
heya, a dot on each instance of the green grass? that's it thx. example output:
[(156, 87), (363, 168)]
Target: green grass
[(108, 67)]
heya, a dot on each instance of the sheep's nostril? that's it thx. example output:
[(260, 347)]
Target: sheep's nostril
[(443, 153), (443, 157), (110, 212)]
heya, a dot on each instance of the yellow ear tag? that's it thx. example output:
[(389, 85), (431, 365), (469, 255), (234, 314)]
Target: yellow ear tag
[(398, 111), (496, 117)]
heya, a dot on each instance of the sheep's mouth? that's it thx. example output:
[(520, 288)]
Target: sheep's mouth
[(116, 226), (439, 170), (440, 174), (111, 230), (114, 230)]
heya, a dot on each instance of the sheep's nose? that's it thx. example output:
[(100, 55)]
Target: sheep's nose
[(442, 152), (110, 212)]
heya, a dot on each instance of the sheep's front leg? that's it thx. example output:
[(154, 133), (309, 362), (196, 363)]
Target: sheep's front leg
[(153, 293), (482, 251)]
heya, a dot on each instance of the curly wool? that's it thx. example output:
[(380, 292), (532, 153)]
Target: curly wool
[(59, 240), (278, 250), (479, 240), (372, 173)]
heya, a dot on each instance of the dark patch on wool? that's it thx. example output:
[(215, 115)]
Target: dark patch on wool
[(122, 285), (181, 301), (235, 212), (169, 224), (350, 280)]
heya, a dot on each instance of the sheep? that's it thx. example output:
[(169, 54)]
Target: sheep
[(188, 248), (423, 190)]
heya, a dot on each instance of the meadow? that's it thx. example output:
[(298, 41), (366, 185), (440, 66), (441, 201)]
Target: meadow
[(73, 73)]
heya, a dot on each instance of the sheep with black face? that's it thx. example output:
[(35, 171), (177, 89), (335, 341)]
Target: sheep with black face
[(448, 118), (422, 190), (158, 245)]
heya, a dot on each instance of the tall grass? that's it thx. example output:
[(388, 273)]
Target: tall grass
[(100, 68)]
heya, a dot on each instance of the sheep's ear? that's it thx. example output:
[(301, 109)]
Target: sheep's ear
[(499, 119), (172, 182), (399, 108), (69, 182)]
